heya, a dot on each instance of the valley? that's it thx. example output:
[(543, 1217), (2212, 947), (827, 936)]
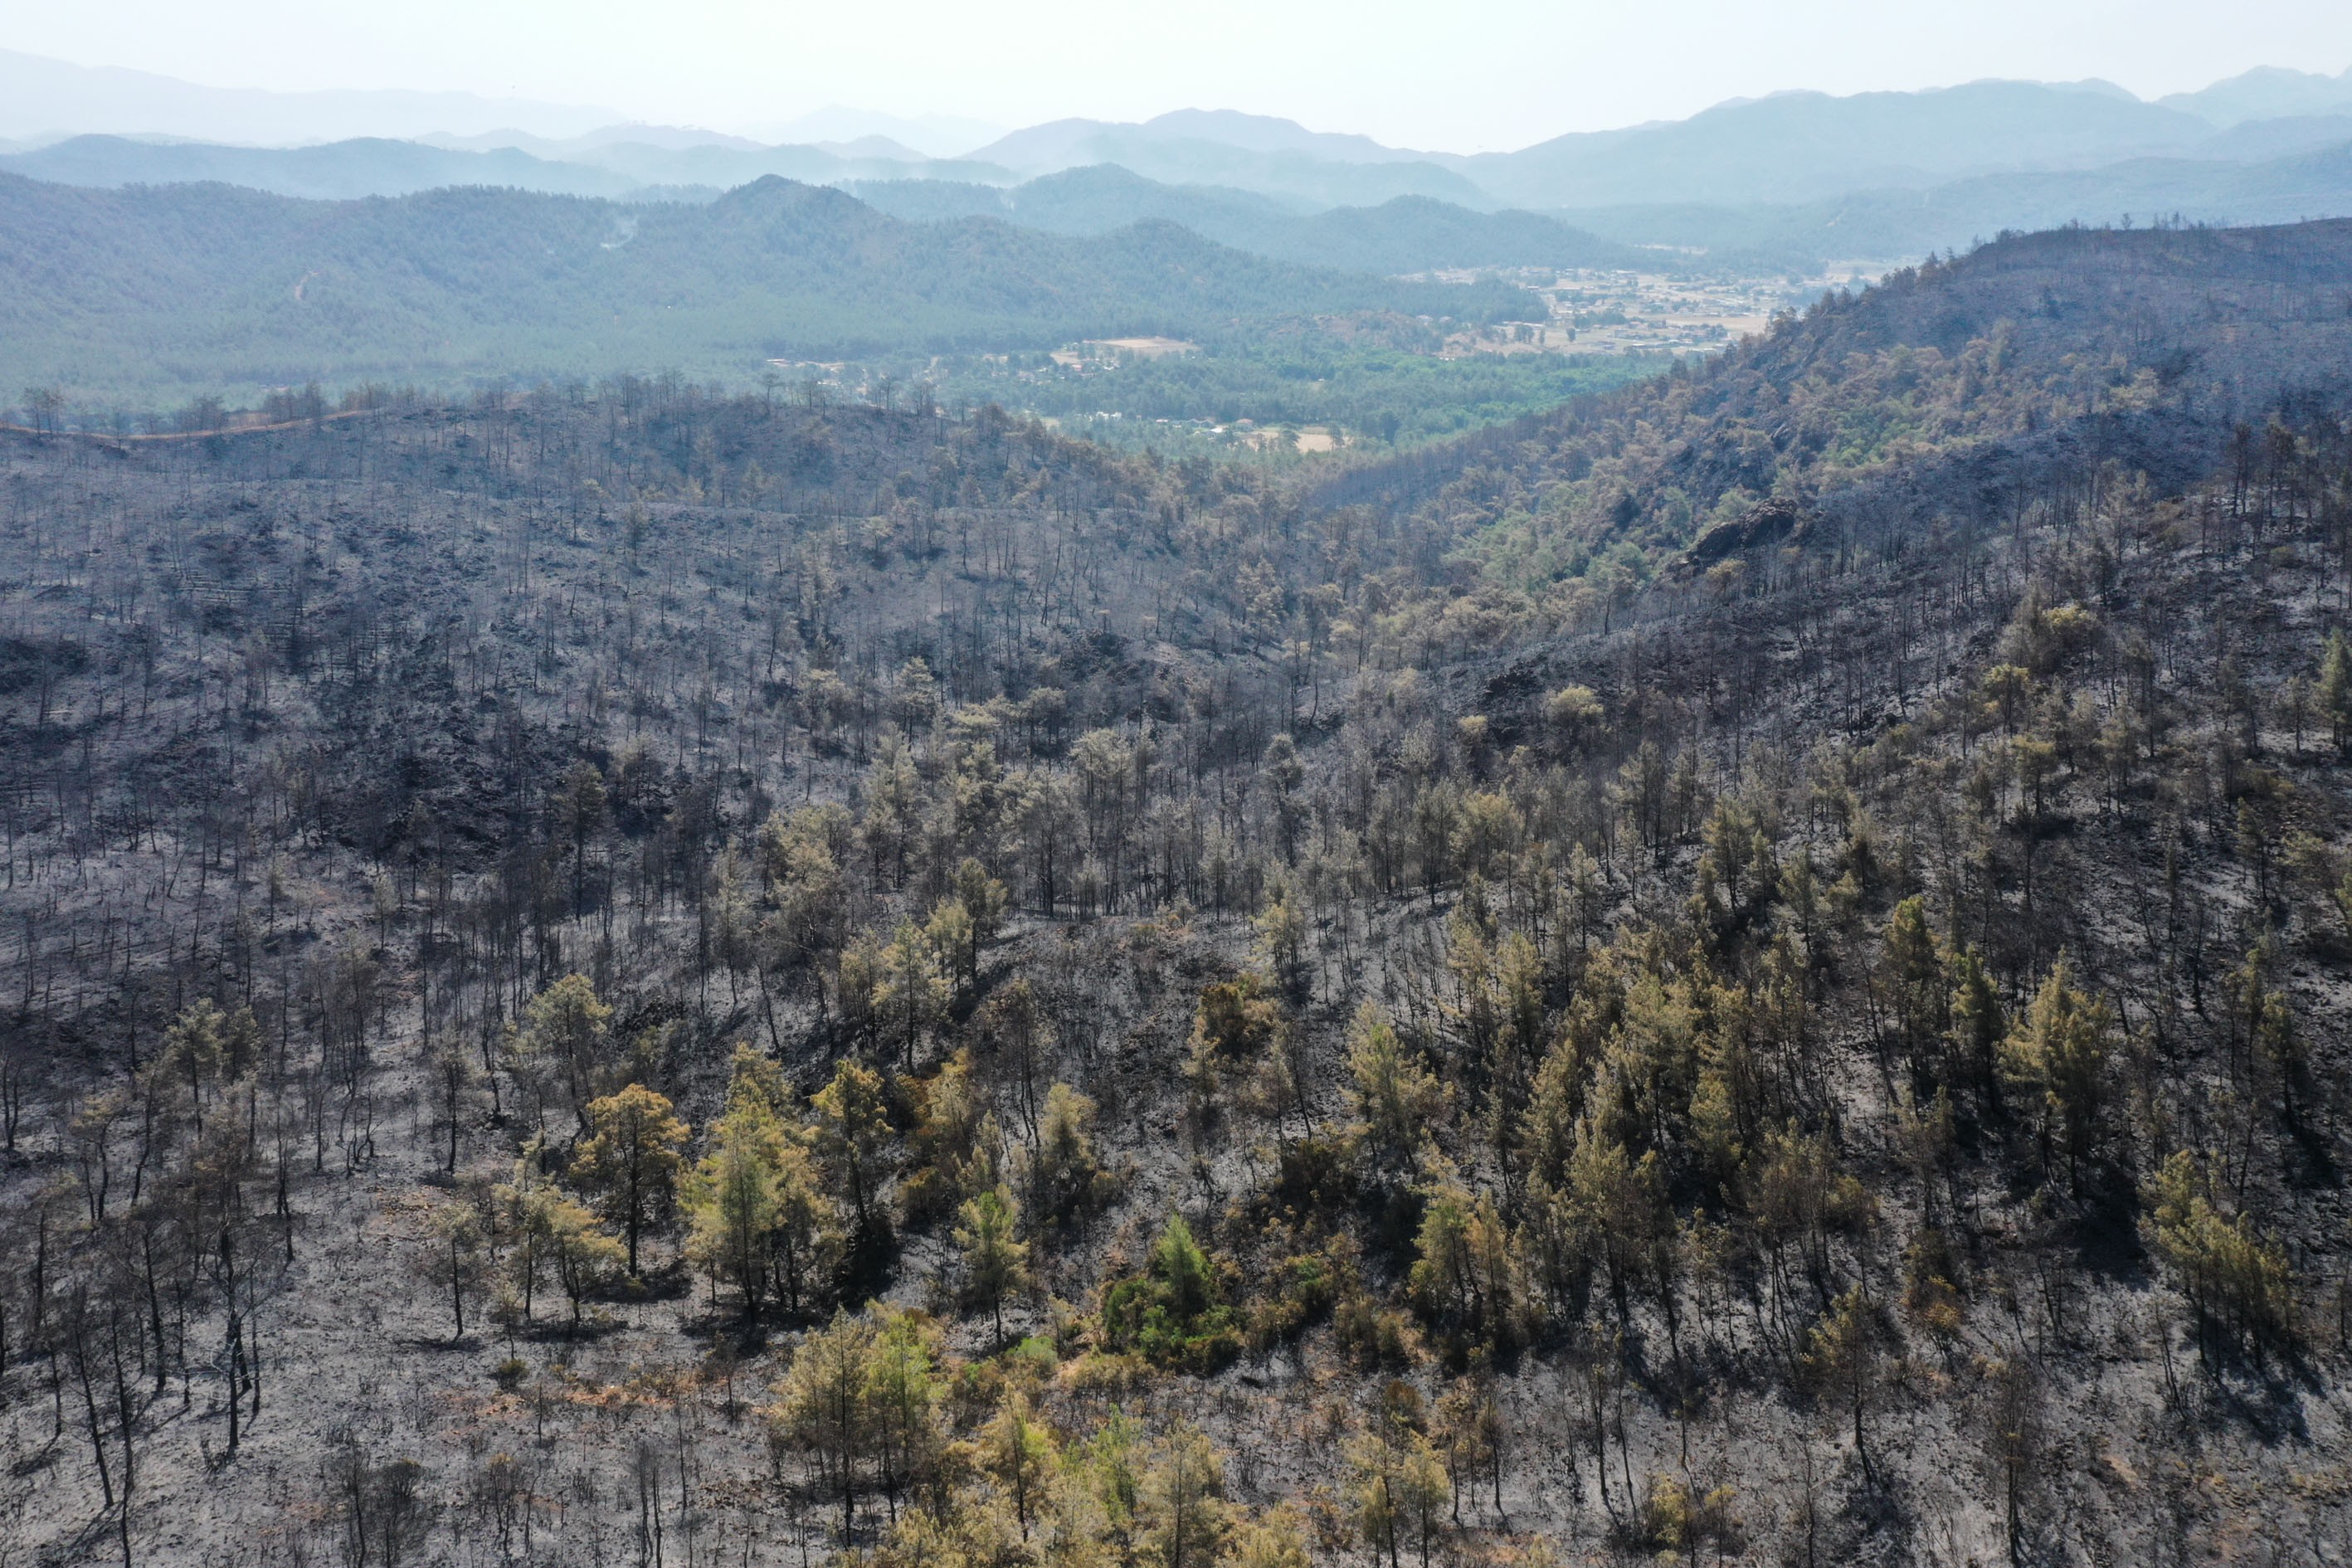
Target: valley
[(1752, 966), (1137, 835)]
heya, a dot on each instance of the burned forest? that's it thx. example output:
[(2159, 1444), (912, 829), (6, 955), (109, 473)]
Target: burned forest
[(1753, 970)]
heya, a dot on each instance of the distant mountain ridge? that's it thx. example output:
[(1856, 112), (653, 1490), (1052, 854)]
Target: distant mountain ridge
[(1059, 144), (1897, 223), (1404, 234), (673, 137), (1793, 178), (377, 166), (1802, 146), (1252, 152), (43, 96), (336, 171), (2266, 92), (1786, 147)]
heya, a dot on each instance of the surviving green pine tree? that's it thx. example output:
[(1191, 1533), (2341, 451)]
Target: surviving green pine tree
[(995, 1262), (630, 1160)]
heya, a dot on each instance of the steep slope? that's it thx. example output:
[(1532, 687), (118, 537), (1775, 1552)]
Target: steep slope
[(1946, 382)]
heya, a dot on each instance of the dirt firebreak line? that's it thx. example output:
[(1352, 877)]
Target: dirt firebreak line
[(110, 438)]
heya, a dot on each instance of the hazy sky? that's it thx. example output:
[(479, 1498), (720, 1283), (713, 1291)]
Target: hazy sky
[(1461, 77)]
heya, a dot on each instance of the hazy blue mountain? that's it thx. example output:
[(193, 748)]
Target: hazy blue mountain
[(564, 147), (881, 147), (1268, 134), (932, 200), (1063, 144), (2259, 141), (1804, 146), (39, 95), (1412, 234), (336, 171), (1295, 175), (1094, 199), (1902, 225), (153, 293), (2266, 92), (727, 167), (1406, 233), (676, 139), (933, 135), (377, 167), (1055, 200), (1272, 157), (1790, 147), (1053, 145), (1987, 155)]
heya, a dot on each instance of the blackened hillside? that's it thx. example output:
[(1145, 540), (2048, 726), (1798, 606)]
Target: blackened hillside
[(1944, 390)]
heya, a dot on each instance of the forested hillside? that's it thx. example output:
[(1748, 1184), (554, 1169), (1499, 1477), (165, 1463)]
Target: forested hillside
[(144, 297), (1754, 970), (1890, 413)]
